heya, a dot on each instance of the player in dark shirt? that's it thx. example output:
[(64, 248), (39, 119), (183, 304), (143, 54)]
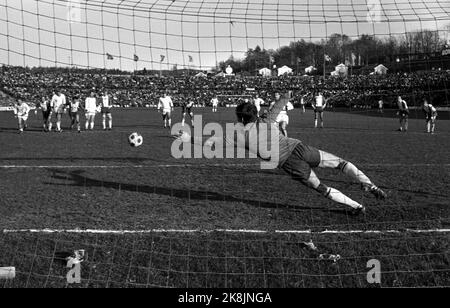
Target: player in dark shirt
[(430, 116), (46, 107), (186, 109), (75, 108)]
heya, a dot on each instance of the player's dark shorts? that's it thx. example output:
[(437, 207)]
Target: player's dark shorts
[(301, 162), (431, 117), (46, 114), (318, 110), (186, 110), (106, 110), (74, 114), (403, 114)]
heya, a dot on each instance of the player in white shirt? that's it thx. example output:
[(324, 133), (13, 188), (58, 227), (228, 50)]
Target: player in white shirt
[(303, 103), (258, 102), (106, 111), (403, 113), (319, 106), (380, 105), (74, 112), (90, 107), (166, 105), (215, 103), (21, 111), (59, 104), (282, 118)]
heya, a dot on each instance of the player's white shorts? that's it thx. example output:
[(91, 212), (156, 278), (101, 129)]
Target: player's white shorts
[(23, 118), (167, 114), (283, 118), (59, 110), (90, 114)]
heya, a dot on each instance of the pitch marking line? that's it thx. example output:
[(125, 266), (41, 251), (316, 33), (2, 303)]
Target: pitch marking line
[(189, 166), (243, 231)]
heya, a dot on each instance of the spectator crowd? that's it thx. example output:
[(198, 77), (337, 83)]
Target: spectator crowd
[(130, 90)]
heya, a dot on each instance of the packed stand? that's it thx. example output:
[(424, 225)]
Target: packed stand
[(132, 90)]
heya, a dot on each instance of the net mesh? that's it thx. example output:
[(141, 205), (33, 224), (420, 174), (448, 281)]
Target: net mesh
[(153, 221), (200, 34)]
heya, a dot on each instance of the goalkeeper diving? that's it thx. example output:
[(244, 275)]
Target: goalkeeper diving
[(295, 158)]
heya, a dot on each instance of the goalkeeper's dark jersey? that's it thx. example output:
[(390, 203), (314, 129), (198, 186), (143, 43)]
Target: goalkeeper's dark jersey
[(286, 146)]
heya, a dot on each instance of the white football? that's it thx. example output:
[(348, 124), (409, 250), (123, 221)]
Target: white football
[(135, 140)]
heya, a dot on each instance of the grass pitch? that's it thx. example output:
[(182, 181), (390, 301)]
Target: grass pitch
[(95, 181)]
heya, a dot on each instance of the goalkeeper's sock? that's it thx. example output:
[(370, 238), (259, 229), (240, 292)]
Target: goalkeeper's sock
[(350, 170), (336, 196)]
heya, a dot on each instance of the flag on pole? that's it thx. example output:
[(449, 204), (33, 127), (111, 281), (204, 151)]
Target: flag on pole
[(299, 60), (109, 56), (191, 59), (136, 58), (327, 58), (162, 58)]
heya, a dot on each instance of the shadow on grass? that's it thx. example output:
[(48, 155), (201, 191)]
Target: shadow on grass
[(133, 160), (81, 180)]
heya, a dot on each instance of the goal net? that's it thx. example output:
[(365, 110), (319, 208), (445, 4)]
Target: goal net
[(144, 218)]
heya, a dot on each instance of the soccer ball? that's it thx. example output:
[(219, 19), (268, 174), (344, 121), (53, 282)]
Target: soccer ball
[(135, 140)]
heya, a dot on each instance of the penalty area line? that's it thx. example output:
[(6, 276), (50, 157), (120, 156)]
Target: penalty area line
[(231, 231), (190, 166)]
